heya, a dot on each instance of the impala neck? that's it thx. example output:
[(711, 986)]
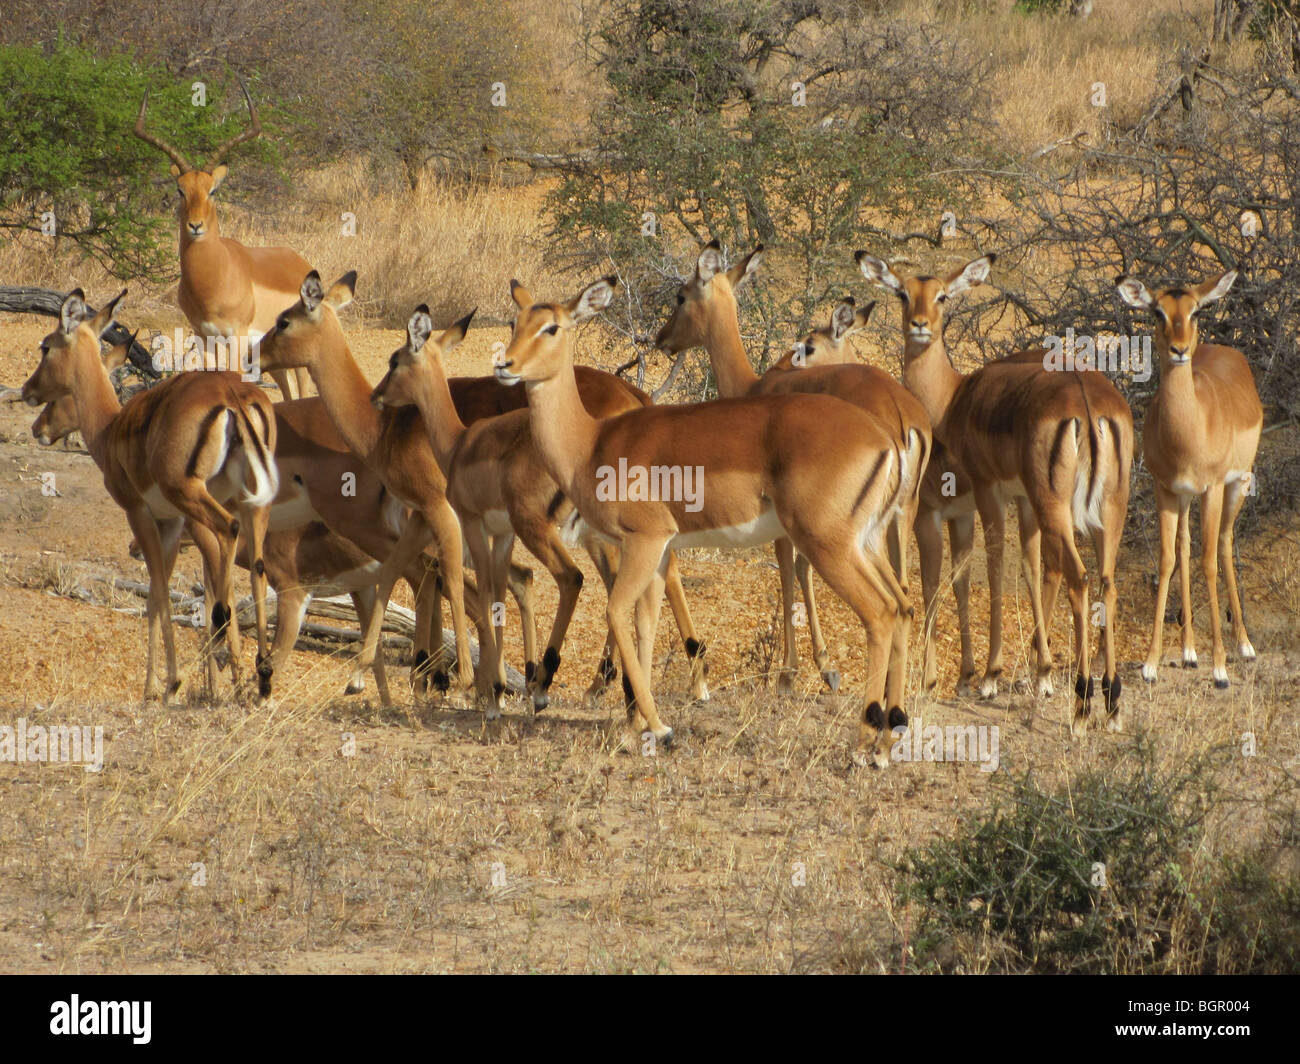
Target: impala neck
[(346, 393), (930, 376), (433, 397), (564, 432), (726, 350), (1182, 417), (97, 405)]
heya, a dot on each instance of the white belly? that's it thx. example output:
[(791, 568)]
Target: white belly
[(350, 580), (763, 529), (292, 510), (957, 507)]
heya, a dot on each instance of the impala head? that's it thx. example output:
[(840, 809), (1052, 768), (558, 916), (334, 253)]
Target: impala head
[(59, 418), (825, 346), (542, 340), (923, 297), (1175, 312), (409, 365), (303, 329), (196, 186), (708, 296), (75, 339)]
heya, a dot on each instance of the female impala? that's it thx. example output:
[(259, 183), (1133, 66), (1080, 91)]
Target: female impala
[(945, 496), (1060, 444), (174, 454), (706, 315), (1200, 438), (227, 290), (499, 487), (809, 467)]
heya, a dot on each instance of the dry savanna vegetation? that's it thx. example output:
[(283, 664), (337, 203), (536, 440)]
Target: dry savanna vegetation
[(323, 832)]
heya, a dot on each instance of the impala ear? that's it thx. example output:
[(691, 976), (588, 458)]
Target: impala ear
[(1133, 292), (104, 318), (312, 292), (522, 297), (176, 170), (1209, 291), (456, 333), (842, 318), (73, 311), (218, 176), (419, 328), (974, 272), (342, 290), (739, 273), (877, 271), (593, 300), (709, 262)]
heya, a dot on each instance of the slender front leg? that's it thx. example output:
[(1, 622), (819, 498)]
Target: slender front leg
[(993, 518), (414, 538), (642, 557), (1168, 506), (158, 605), (486, 683), (446, 530), (803, 573), (1211, 515), (1234, 497), (1185, 578)]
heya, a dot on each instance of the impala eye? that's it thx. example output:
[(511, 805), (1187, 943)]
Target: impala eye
[(942, 297), (282, 322), (680, 299), (392, 360), (551, 329)]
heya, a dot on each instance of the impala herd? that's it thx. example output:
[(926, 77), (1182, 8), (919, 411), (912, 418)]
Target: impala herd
[(834, 462)]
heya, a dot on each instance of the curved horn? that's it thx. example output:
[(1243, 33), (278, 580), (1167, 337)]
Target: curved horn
[(158, 142), (254, 130)]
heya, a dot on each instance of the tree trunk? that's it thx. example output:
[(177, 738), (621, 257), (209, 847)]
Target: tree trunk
[(26, 300)]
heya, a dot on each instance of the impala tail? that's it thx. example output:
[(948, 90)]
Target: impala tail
[(1100, 468), (261, 481)]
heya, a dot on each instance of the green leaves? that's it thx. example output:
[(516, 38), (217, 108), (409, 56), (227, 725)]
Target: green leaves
[(68, 149)]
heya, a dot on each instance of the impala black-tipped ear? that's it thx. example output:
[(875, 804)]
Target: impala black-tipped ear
[(522, 297), (456, 333), (418, 328), (312, 292)]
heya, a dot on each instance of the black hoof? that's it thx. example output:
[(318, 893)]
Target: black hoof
[(1221, 685)]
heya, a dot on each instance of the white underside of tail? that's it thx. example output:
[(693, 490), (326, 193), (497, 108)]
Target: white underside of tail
[(1085, 508)]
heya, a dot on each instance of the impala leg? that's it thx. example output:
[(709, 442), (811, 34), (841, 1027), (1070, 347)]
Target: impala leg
[(1169, 507), (602, 554), (255, 520), (1234, 497), (502, 547), (895, 684), (803, 573), (415, 536), (546, 545), (486, 683), (961, 541), (214, 600), (284, 380), (519, 582), (364, 601), (699, 687), (849, 575), (993, 518), (1106, 544), (642, 557), (1185, 578), (785, 564), (646, 619), (446, 530), (1211, 516), (158, 545), (427, 663), (1057, 523), (291, 602), (1031, 564), (929, 547)]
